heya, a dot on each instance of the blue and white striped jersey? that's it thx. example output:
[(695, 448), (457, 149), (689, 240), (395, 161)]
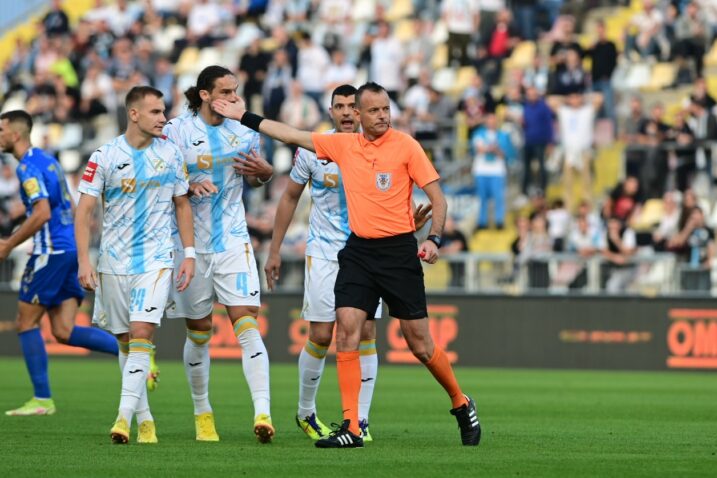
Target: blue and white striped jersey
[(41, 177), (209, 152), (137, 187), (329, 216)]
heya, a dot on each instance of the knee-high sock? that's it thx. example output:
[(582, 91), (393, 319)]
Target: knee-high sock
[(348, 369), (143, 413), (441, 369), (33, 350), (94, 339), (134, 377), (369, 372), (196, 366), (255, 362), (311, 366)]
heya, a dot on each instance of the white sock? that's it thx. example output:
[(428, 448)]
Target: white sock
[(310, 370), (134, 381), (196, 365), (143, 412), (255, 362), (369, 371)]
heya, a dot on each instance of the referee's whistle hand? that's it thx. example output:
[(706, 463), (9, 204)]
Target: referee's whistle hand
[(232, 110), (428, 252)]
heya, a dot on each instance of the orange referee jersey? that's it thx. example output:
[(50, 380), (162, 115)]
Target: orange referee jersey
[(378, 179)]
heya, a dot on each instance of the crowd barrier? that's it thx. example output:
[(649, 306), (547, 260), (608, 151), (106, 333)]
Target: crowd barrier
[(485, 331)]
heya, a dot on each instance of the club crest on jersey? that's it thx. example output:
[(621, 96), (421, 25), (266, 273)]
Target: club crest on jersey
[(383, 181)]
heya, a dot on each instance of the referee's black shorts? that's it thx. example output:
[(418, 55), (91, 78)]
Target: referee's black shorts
[(386, 268)]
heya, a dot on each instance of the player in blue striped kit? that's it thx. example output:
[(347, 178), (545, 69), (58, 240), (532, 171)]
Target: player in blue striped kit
[(49, 283)]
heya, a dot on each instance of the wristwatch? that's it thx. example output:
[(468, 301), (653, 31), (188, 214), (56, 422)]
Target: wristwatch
[(435, 239)]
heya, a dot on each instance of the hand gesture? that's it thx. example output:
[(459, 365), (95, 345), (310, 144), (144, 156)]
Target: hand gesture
[(202, 188), (252, 164), (185, 274), (421, 215), (228, 109), (272, 268)]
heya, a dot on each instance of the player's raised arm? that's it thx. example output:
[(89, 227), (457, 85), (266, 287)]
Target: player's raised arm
[(284, 214), (280, 131), (83, 217), (183, 210)]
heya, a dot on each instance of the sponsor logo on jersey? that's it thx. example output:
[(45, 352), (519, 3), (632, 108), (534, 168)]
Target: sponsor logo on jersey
[(31, 187), (205, 161), (129, 185), (90, 171)]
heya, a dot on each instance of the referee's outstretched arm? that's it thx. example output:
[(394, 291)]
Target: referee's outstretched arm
[(274, 129)]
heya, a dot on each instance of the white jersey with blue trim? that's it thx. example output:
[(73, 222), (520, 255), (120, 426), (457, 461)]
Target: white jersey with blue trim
[(329, 216), (137, 187), (209, 152)]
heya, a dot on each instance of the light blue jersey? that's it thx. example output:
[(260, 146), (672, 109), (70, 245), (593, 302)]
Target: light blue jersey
[(209, 152), (137, 187), (329, 217)]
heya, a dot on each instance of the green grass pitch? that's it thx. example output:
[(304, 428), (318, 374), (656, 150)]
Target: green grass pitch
[(535, 423)]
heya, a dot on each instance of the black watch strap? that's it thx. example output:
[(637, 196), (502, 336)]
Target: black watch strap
[(434, 239)]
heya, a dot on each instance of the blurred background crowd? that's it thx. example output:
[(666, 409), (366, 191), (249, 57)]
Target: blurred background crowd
[(574, 139)]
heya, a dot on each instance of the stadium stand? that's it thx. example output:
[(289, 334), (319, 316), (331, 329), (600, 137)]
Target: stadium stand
[(637, 76)]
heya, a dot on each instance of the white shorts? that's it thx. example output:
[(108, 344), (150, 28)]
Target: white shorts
[(121, 299), (319, 279), (231, 275)]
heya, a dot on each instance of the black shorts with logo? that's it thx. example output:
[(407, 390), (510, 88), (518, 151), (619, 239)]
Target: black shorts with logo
[(386, 268)]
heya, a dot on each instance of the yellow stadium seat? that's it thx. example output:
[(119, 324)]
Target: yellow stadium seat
[(440, 56), (404, 30), (662, 76), (650, 215), (399, 9), (187, 61), (522, 56)]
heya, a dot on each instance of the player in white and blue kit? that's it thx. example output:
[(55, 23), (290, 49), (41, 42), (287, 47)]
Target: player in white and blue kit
[(219, 153), (49, 283), (328, 231), (141, 180)]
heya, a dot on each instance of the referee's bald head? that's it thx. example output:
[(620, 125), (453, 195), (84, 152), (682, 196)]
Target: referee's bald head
[(370, 86)]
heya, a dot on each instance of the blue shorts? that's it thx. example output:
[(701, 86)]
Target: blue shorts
[(51, 279)]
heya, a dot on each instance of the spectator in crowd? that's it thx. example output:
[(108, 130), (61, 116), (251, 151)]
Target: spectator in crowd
[(313, 62), (565, 41), (559, 219), (571, 78), (695, 245), (55, 21), (704, 127), (652, 133), (492, 152), (98, 95), (537, 75), (576, 120), (489, 15), (584, 241), (387, 59), (416, 104), (476, 102), (298, 110), (204, 23), (648, 25), (462, 18), (538, 134), (624, 201), (620, 246), (700, 94), (537, 249), (682, 159), (252, 71), (669, 221), (525, 16), (277, 84), (453, 241), (694, 36), (500, 42), (418, 49), (604, 60), (340, 72)]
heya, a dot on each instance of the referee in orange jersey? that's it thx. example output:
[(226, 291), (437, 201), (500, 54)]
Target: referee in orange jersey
[(381, 258)]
